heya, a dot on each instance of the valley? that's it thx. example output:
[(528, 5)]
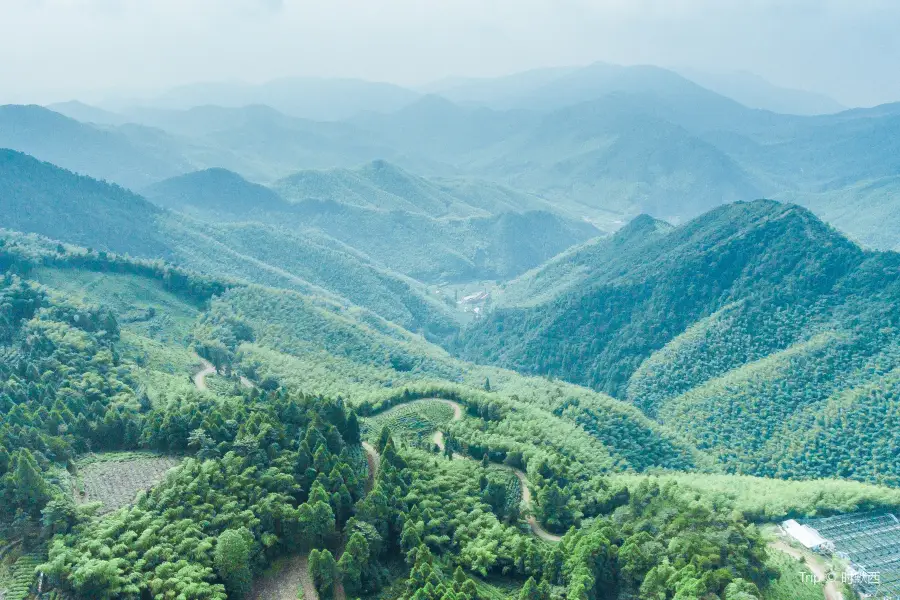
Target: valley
[(579, 333)]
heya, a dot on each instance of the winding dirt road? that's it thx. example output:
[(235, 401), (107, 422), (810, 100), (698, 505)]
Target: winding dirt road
[(374, 461), (536, 528), (814, 564), (201, 375), (438, 439)]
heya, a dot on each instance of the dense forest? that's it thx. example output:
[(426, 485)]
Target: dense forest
[(752, 331), (277, 470), (525, 338)]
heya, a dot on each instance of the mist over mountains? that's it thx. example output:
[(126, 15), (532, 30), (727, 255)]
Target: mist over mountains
[(579, 332), (603, 142)]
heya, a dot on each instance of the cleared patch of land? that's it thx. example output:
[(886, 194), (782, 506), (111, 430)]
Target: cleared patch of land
[(114, 479), (285, 580)]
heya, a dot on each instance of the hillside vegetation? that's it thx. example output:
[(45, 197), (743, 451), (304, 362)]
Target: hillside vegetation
[(750, 330), (523, 338)]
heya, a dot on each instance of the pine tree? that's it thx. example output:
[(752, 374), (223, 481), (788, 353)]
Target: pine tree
[(29, 487), (530, 590), (351, 432)]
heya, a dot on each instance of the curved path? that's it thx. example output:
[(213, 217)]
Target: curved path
[(814, 564), (206, 370), (438, 439)]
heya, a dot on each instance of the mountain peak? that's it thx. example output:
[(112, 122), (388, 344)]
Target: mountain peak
[(214, 189), (642, 225)]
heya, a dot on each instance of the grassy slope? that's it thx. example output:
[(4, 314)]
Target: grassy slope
[(761, 499), (158, 343)]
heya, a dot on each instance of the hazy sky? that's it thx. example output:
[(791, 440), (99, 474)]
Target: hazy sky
[(58, 49)]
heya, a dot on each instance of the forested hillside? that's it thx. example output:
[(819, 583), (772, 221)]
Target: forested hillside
[(216, 190), (429, 230), (283, 469), (85, 149), (44, 199), (271, 440), (748, 330), (533, 337), (602, 142), (381, 185)]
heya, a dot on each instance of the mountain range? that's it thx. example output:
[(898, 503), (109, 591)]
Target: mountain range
[(602, 142)]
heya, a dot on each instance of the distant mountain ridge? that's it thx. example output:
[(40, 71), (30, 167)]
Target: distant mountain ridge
[(384, 186), (85, 149), (602, 143), (753, 91), (423, 229), (324, 99)]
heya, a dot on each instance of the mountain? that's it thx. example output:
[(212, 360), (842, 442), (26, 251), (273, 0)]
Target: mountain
[(101, 153), (430, 230), (575, 267), (755, 92), (496, 92), (443, 130), (383, 186), (448, 249), (701, 326), (606, 160), (264, 144), (612, 156), (320, 99), (87, 113), (217, 190), (41, 198)]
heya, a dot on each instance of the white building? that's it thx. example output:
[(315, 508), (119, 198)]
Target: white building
[(805, 534)]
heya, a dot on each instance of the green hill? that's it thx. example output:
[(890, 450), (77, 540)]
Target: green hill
[(430, 230), (742, 329), (216, 190), (434, 250), (41, 198), (377, 185), (101, 153), (576, 266), (615, 159), (383, 186)]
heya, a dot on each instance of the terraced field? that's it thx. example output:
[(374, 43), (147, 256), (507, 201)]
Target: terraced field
[(18, 578), (413, 421)]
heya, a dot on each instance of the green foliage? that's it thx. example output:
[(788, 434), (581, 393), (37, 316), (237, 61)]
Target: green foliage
[(787, 582), (751, 331), (323, 570), (20, 580), (232, 562), (268, 492), (77, 209), (413, 422), (762, 500)]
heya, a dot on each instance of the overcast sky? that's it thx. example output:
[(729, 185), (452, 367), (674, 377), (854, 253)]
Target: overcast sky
[(59, 49)]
